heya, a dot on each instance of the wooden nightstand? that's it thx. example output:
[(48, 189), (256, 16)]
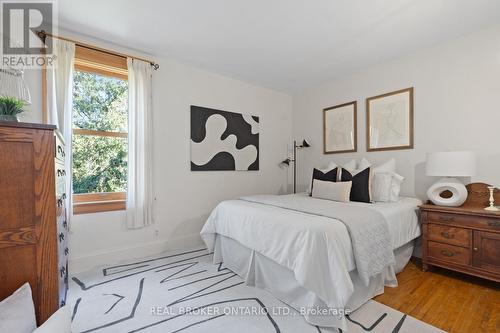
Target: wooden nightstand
[(464, 239)]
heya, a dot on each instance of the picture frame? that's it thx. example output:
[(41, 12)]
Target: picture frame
[(340, 128), (389, 121)]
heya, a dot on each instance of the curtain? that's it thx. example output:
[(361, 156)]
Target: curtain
[(139, 177), (60, 105)]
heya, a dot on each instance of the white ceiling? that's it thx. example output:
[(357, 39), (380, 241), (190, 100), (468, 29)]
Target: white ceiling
[(287, 45)]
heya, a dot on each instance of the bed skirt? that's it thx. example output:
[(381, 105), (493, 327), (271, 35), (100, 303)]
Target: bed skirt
[(262, 272)]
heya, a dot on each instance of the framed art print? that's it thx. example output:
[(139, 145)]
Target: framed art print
[(340, 128), (222, 140), (389, 119)]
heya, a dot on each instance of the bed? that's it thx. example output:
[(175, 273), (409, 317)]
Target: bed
[(318, 256)]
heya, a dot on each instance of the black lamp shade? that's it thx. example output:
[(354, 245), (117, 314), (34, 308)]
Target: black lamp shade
[(305, 144)]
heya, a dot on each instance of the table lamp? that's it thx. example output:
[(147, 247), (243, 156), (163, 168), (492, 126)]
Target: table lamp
[(448, 165)]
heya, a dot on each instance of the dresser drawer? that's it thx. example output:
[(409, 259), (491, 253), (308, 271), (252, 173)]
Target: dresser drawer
[(492, 223), (450, 235), (450, 253)]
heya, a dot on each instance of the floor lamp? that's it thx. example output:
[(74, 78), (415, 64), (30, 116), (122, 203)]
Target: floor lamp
[(294, 161)]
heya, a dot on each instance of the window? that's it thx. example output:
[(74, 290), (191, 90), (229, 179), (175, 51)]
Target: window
[(100, 115)]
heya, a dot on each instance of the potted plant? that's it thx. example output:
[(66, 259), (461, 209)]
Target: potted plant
[(10, 107)]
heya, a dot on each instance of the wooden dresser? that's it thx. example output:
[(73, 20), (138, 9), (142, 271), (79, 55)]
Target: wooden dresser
[(33, 225), (464, 239)]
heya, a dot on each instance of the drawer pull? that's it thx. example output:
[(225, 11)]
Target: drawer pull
[(66, 251), (446, 218), (65, 224), (60, 150), (63, 271), (61, 237), (475, 249), (59, 202), (447, 253), (63, 196), (447, 235), (494, 223)]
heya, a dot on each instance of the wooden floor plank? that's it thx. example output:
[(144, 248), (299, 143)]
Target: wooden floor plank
[(452, 301)]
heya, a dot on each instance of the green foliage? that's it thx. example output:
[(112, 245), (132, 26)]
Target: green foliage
[(10, 106), (99, 163)]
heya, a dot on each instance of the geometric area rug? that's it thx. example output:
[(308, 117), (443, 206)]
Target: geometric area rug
[(183, 291)]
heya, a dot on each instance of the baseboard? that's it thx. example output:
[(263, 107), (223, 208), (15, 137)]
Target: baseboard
[(85, 263)]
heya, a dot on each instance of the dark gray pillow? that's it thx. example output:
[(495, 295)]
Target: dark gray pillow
[(360, 190)]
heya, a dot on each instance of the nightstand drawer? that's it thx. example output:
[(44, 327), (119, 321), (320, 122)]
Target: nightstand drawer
[(450, 253), (492, 223), (450, 235)]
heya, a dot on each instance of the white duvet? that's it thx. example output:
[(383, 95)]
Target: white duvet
[(316, 248)]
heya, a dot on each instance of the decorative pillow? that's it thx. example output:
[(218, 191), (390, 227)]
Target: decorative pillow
[(360, 190), (339, 191), (397, 180), (326, 175), (381, 187), (59, 322), (330, 167), (17, 312), (350, 166), (388, 167)]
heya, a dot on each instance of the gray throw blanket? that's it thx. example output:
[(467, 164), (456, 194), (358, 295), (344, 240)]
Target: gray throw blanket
[(370, 237)]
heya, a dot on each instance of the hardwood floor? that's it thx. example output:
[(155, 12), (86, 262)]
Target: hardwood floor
[(452, 301)]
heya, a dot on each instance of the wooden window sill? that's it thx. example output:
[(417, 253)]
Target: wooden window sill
[(98, 206)]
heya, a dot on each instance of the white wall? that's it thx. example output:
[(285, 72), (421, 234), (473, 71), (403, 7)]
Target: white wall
[(457, 91), (184, 198)]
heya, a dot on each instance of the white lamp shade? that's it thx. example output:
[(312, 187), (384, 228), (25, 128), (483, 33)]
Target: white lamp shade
[(451, 164)]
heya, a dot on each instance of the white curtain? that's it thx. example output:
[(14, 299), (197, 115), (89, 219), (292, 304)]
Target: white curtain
[(139, 179), (60, 105)]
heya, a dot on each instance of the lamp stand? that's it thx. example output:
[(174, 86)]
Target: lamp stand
[(294, 166), (455, 186), (294, 161)]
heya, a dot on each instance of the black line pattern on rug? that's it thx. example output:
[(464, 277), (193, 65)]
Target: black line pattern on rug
[(270, 318), (220, 269), (83, 286), (189, 297), (132, 314), (105, 270), (189, 265), (368, 329), (202, 279), (399, 325), (120, 297), (75, 308), (183, 276)]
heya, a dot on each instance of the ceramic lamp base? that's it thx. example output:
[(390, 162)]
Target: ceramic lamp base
[(456, 187)]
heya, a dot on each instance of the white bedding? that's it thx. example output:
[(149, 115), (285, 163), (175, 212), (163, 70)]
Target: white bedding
[(316, 248)]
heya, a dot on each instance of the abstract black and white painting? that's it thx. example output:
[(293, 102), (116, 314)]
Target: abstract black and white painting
[(222, 140)]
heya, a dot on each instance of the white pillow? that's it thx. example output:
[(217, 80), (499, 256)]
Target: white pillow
[(389, 166), (59, 322), (17, 312), (330, 167), (339, 191), (351, 166), (397, 180), (381, 187)]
